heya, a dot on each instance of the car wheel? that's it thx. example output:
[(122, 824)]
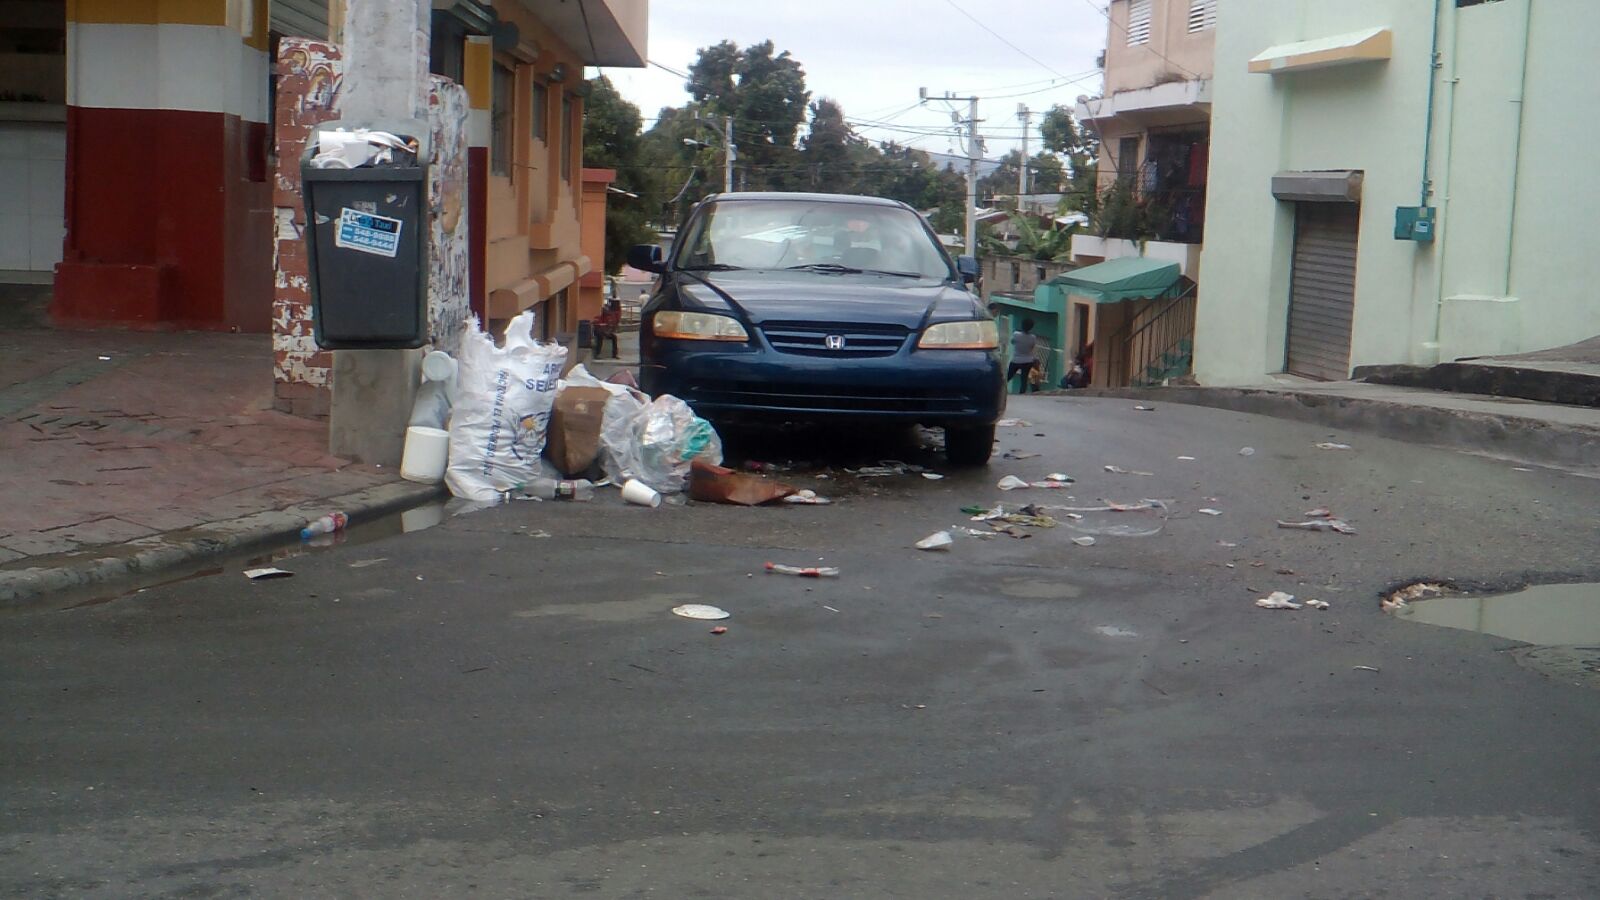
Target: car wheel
[(969, 446)]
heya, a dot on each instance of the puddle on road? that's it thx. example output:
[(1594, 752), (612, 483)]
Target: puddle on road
[(1562, 621)]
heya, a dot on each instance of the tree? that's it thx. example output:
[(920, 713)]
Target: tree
[(826, 151), (1064, 135), (611, 140), (765, 93), (1045, 175)]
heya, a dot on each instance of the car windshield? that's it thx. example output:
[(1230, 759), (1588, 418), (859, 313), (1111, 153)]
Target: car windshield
[(824, 235)]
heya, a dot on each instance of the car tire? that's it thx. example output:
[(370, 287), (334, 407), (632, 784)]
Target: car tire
[(969, 446)]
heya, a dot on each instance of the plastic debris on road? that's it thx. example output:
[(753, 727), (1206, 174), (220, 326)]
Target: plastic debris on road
[(1208, 511), (266, 573), (1018, 455), (807, 497), (1145, 408), (720, 629), (933, 476), (1011, 483), (700, 611), (1279, 600), (1118, 470), (1247, 451), (939, 540), (802, 571), (1321, 512), (1397, 599), (1060, 477), (1084, 541), (1335, 525), (1317, 604), (328, 524), (659, 444), (885, 468), (1013, 423), (1187, 458), (1330, 445)]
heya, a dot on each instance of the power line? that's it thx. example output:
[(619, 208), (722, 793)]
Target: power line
[(1146, 44), (1002, 39), (683, 75)]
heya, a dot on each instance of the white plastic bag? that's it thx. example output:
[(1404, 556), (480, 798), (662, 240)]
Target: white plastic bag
[(502, 410), (657, 443), (616, 421)]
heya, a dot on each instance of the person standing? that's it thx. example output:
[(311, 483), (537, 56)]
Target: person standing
[(1024, 347), (605, 326)]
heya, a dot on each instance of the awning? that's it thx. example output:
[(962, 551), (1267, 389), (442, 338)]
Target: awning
[(1128, 278), (1339, 50)]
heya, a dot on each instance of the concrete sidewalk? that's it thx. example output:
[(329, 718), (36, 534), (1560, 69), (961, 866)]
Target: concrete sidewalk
[(124, 451), (1544, 434)]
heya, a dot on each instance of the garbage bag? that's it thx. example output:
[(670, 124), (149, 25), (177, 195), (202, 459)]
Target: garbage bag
[(616, 422), (502, 410), (658, 443)]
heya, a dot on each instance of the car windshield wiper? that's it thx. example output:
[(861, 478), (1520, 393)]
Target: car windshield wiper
[(829, 267), (711, 267), (897, 274)]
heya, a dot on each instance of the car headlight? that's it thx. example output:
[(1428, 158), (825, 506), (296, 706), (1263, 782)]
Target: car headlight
[(978, 334), (694, 326)]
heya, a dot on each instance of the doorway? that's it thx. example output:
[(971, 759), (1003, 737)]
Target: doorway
[(1322, 290)]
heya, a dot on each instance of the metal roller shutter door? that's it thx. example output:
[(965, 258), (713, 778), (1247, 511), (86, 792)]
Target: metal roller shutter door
[(300, 18), (1322, 293)]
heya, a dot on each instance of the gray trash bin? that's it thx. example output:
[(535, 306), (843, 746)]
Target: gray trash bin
[(367, 251)]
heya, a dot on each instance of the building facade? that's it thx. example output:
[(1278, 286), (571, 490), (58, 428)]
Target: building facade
[(1398, 182)]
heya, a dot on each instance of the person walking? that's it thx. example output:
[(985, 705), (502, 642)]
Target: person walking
[(1024, 346), (605, 326)]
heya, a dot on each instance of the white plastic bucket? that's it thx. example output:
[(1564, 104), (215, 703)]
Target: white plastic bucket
[(426, 455)]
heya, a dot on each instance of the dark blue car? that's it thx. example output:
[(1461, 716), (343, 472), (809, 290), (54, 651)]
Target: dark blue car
[(811, 307)]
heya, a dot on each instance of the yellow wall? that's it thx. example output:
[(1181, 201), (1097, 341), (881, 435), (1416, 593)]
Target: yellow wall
[(1172, 52)]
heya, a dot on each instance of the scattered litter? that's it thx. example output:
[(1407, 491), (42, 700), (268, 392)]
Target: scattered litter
[(982, 514), (1013, 423), (1399, 598), (541, 533), (1278, 600), (933, 476), (105, 359), (1120, 529), (1330, 445), (1084, 541), (1116, 631), (1364, 669), (766, 467), (1118, 470), (328, 524), (1208, 511), (1145, 408), (717, 484), (807, 496), (1018, 455), (803, 572), (1011, 483), (830, 609), (1521, 469), (1317, 604), (1187, 458), (1050, 485), (971, 532), (363, 563), (1337, 525), (1060, 477), (700, 611), (638, 493), (1321, 512), (939, 540), (1229, 544), (269, 572), (884, 469), (1247, 451), (720, 629)]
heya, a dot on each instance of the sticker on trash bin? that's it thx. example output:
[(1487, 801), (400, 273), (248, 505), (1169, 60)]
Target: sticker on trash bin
[(368, 233)]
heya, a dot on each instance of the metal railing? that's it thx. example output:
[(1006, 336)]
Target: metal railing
[(1157, 344)]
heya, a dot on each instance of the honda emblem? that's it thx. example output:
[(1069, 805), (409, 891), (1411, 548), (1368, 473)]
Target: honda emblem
[(834, 342)]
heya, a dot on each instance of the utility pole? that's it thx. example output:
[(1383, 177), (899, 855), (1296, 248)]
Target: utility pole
[(729, 154), (974, 153), (1022, 170)]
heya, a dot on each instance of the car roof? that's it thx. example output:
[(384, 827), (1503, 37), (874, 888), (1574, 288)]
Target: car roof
[(857, 199)]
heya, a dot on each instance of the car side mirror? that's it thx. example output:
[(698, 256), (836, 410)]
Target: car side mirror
[(968, 267), (647, 258)]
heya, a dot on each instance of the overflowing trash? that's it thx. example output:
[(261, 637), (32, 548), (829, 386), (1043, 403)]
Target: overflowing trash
[(658, 444), (502, 410), (328, 524), (802, 571), (362, 148), (700, 611)]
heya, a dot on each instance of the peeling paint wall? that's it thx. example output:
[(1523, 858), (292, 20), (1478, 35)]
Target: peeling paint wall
[(309, 93)]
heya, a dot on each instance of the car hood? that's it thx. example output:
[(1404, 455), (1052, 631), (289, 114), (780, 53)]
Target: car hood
[(801, 296)]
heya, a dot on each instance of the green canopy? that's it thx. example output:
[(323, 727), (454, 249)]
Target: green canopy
[(1128, 278)]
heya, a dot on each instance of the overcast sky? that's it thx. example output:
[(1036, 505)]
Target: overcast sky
[(872, 55)]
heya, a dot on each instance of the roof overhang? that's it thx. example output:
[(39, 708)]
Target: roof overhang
[(1159, 101), (601, 32), (1128, 278), (1367, 45)]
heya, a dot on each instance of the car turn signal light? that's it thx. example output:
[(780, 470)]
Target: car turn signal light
[(693, 326), (978, 334)]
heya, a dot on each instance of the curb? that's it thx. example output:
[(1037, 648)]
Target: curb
[(1516, 438), (156, 553)]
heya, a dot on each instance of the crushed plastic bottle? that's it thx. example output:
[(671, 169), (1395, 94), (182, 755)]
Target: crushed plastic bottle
[(802, 571), (328, 524), (550, 489)]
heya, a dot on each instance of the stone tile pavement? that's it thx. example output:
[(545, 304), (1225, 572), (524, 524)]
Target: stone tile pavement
[(108, 437)]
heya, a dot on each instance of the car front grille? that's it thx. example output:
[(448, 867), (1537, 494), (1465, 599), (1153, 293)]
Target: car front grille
[(802, 397), (811, 339)]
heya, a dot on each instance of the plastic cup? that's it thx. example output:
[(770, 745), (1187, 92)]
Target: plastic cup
[(640, 494)]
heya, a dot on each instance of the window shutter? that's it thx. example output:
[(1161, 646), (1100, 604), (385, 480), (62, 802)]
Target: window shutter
[(1202, 15), (299, 18), (1138, 22)]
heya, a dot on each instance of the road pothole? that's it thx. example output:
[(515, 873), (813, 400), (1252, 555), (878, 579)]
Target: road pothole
[(1561, 622)]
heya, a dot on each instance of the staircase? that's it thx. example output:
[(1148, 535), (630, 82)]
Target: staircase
[(1157, 344)]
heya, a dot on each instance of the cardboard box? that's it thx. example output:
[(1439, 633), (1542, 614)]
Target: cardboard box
[(573, 440)]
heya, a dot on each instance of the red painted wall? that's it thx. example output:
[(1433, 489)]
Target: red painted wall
[(165, 228)]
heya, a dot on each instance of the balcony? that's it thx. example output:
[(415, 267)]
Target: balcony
[(1171, 103)]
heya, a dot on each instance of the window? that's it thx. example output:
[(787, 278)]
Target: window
[(540, 113), (1138, 22), (501, 118), (568, 135), (1202, 15), (1127, 156), (447, 47)]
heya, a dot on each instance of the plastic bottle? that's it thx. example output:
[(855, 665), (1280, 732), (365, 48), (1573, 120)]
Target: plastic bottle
[(551, 489), (328, 524)]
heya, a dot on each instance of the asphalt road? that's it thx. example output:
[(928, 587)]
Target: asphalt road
[(504, 706)]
